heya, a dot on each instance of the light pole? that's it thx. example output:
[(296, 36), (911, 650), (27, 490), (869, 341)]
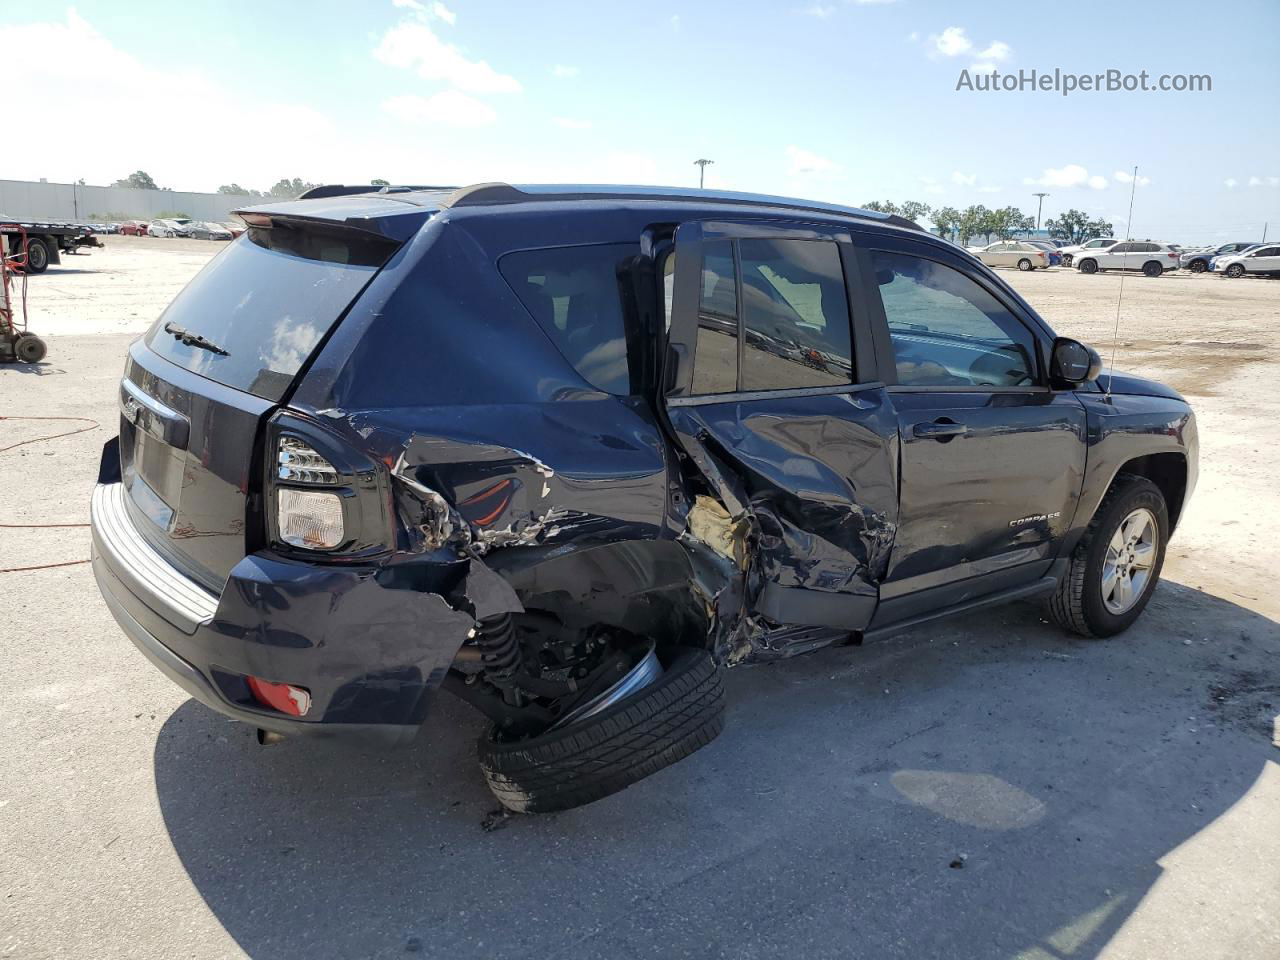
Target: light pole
[(702, 169), (1038, 207)]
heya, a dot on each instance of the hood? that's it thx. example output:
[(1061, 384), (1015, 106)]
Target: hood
[(1127, 383)]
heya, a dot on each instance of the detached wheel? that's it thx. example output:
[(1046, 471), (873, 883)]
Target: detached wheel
[(1199, 266), (1152, 268), (29, 348), (1235, 271), (1116, 566), (1024, 265), (599, 754), (37, 255), (1088, 266)]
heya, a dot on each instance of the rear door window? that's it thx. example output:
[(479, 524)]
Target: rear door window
[(786, 299), (573, 294), (253, 315)]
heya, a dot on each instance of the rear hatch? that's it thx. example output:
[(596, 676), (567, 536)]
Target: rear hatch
[(224, 354)]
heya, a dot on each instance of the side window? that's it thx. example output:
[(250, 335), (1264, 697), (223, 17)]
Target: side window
[(795, 315), (947, 330), (1122, 248), (715, 359), (573, 294)]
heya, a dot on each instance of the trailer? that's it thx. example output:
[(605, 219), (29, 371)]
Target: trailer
[(45, 242)]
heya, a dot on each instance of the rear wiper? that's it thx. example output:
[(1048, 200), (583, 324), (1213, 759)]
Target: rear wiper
[(183, 335)]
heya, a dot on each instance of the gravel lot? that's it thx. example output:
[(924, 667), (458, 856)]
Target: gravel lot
[(984, 787)]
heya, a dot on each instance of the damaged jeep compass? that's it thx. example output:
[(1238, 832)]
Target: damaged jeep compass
[(567, 453)]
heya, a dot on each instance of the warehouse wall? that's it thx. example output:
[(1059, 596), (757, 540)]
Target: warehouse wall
[(27, 200)]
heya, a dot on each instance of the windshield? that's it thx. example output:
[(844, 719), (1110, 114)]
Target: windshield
[(253, 315)]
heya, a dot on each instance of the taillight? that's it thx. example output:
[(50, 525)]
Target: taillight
[(323, 496), (1173, 256)]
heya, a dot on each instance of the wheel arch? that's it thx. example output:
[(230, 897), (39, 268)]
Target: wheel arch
[(1168, 471)]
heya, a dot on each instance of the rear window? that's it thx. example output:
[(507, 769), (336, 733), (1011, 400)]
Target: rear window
[(573, 294), (253, 315)]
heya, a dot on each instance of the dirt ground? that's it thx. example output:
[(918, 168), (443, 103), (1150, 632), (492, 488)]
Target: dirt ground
[(983, 787)]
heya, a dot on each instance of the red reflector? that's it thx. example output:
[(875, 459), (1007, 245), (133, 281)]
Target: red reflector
[(285, 697), (1172, 256)]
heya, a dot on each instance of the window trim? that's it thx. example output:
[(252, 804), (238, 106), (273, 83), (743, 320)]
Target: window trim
[(746, 396), (889, 367)]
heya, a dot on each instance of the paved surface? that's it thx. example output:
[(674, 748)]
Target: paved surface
[(983, 788)]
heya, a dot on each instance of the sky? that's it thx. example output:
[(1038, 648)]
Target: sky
[(846, 101)]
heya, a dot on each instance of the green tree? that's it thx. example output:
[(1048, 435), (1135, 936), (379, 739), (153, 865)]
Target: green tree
[(375, 182), (946, 220), (915, 210), (237, 190), (882, 206), (1076, 226), (1007, 221), (139, 179), (290, 188), (974, 221)]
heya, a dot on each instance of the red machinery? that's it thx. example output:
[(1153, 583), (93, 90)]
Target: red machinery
[(15, 342)]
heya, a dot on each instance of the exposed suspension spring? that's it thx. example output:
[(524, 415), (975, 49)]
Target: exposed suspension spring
[(499, 648)]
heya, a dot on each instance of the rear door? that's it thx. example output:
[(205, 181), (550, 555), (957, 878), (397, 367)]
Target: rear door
[(222, 355), (992, 458), (770, 386), (1266, 260)]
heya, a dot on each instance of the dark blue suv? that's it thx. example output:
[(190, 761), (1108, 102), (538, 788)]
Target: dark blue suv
[(568, 452)]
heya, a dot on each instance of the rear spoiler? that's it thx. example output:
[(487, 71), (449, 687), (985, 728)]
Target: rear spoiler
[(345, 190)]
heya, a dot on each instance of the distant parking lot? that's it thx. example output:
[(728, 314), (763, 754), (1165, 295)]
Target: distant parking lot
[(982, 787)]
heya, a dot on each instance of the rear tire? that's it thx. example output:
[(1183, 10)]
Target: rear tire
[(37, 255), (601, 754), (1088, 266), (1024, 265), (1152, 268), (1079, 604), (1235, 271)]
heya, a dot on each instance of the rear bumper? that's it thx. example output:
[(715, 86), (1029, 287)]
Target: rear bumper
[(370, 655)]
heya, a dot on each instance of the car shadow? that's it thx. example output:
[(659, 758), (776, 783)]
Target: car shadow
[(982, 787), (42, 368)]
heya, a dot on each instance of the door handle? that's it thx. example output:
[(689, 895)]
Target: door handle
[(941, 429)]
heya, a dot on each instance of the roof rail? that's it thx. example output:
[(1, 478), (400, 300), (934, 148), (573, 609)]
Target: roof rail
[(497, 194), (344, 190)]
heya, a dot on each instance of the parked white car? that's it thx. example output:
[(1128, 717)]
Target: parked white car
[(1096, 245), (177, 227), (1012, 253), (1151, 258), (1263, 259)]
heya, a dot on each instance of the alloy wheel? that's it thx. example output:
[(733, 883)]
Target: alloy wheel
[(1131, 556)]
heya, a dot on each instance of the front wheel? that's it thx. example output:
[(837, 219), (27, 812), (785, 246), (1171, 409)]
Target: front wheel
[(1066, 259), (1235, 271), (1115, 567), (1199, 266), (1088, 266)]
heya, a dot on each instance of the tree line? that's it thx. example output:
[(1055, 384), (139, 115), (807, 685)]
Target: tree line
[(284, 187), (1074, 226)]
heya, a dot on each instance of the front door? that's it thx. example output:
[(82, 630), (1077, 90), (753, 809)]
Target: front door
[(992, 459), (770, 389)]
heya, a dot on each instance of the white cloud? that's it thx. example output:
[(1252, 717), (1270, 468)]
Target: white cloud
[(964, 179), (951, 42), (569, 123), (412, 45), (819, 10), (1264, 181), (913, 36), (1123, 177), (1072, 175), (675, 21), (563, 71), (448, 108), (444, 13), (870, 3), (1230, 183), (802, 162), (998, 50), (420, 10), (408, 5)]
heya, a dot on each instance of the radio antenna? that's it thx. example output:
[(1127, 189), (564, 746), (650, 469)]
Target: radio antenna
[(1115, 337)]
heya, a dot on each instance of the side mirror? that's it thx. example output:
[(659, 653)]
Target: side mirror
[(1074, 361)]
